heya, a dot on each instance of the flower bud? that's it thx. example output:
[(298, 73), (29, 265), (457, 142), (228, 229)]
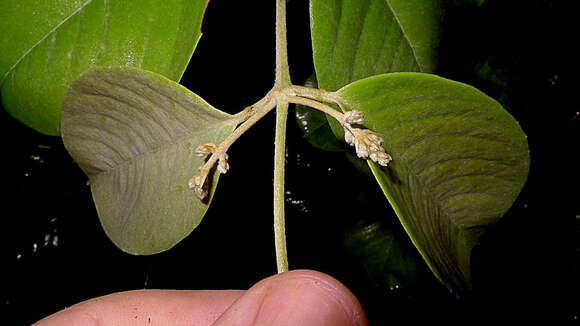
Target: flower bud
[(223, 165), (362, 150), (354, 117), (374, 138), (205, 149), (348, 137), (382, 158), (198, 184)]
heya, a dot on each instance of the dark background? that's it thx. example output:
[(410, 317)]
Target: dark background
[(54, 252)]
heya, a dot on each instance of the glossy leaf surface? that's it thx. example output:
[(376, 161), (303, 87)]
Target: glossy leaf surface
[(459, 162), (134, 134), (354, 39), (46, 44)]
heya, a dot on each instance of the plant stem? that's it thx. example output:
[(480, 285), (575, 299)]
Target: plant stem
[(282, 70), (316, 105), (251, 116), (280, 96), (279, 161), (282, 81), (316, 94)]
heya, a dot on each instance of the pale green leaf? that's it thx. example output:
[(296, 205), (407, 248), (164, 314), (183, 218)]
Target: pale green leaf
[(46, 44), (134, 134), (459, 162)]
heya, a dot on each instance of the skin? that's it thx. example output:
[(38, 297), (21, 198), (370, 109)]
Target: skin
[(300, 297)]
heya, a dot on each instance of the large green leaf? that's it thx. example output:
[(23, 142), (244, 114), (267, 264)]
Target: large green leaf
[(354, 39), (134, 133), (459, 162), (46, 44)]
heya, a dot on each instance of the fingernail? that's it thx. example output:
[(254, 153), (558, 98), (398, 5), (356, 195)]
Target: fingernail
[(317, 300)]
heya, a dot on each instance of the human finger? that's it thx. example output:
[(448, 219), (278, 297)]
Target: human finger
[(299, 297), (147, 307)]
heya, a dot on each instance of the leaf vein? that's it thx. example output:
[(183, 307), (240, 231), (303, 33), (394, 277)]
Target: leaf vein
[(468, 158), (405, 35), (457, 135), (27, 52), (357, 38), (336, 35)]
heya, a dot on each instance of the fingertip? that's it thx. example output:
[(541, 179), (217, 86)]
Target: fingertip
[(300, 297), (338, 291)]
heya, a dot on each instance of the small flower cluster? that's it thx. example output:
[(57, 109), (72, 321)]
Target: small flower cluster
[(198, 182), (366, 142), (199, 186), (205, 149)]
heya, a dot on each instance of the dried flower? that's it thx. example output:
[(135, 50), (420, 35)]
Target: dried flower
[(199, 185), (223, 164), (354, 117), (205, 149), (199, 182), (349, 137), (367, 145), (373, 138), (381, 158), (362, 150)]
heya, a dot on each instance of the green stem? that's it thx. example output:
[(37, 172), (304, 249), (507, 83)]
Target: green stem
[(280, 95), (251, 116), (282, 81), (316, 105), (279, 161), (282, 70)]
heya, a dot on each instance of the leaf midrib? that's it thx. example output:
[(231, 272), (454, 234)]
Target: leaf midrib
[(442, 213), (27, 52), (152, 151), (405, 35), (403, 211)]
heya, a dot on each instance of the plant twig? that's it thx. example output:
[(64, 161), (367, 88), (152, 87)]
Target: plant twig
[(282, 81), (251, 115), (318, 106), (279, 162), (367, 143), (282, 69)]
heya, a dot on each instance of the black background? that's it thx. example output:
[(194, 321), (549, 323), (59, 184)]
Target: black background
[(54, 252)]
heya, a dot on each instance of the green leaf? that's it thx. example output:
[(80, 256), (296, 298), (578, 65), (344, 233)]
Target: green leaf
[(387, 260), (354, 39), (47, 44), (459, 162), (134, 134)]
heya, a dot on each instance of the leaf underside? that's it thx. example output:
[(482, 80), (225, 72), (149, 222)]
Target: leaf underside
[(459, 162), (386, 258), (134, 134), (47, 44)]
